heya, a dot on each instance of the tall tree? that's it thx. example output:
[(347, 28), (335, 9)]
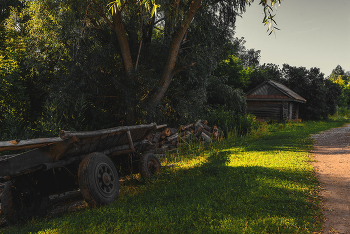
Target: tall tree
[(342, 79), (122, 58), (263, 73), (321, 94), (178, 17)]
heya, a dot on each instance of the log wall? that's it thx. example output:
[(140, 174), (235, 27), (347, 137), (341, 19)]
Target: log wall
[(265, 110), (276, 110)]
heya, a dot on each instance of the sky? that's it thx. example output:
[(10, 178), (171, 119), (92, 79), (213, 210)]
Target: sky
[(313, 33)]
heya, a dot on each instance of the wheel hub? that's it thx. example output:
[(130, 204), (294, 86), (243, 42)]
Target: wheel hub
[(152, 167), (105, 179)]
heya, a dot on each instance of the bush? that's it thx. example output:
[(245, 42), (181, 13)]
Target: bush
[(343, 111)]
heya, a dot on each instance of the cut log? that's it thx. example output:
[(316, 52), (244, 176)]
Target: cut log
[(198, 124), (166, 132), (161, 126), (188, 126), (173, 131), (207, 133), (199, 131), (182, 128), (205, 136), (172, 137), (209, 129)]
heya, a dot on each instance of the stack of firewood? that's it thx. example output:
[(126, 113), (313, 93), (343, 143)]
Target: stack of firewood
[(171, 138)]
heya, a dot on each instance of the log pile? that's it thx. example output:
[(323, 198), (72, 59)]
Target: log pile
[(171, 138)]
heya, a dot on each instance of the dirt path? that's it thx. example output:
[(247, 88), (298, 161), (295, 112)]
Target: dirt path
[(332, 166)]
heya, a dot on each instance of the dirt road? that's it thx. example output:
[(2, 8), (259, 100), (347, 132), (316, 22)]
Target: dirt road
[(332, 167)]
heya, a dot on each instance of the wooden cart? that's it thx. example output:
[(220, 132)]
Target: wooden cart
[(89, 161)]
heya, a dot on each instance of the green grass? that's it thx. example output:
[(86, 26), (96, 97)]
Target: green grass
[(262, 183)]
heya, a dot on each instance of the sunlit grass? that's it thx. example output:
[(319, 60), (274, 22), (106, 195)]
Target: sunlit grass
[(262, 183)]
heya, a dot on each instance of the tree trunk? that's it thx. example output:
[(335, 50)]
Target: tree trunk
[(168, 72), (123, 41)]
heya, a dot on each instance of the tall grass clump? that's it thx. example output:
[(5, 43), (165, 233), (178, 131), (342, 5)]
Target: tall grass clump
[(343, 112), (233, 123)]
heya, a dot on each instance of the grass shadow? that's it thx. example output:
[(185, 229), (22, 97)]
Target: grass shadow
[(209, 198)]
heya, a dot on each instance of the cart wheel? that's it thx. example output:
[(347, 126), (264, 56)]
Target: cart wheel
[(20, 202), (98, 180), (149, 165)]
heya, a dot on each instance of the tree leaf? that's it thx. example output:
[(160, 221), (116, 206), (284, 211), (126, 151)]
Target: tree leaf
[(154, 10)]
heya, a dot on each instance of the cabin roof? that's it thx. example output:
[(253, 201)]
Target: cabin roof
[(272, 90)]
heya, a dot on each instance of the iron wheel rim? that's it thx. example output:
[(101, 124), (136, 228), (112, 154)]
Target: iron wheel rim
[(105, 179)]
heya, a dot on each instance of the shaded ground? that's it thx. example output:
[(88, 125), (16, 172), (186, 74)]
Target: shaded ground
[(67, 202), (332, 167)]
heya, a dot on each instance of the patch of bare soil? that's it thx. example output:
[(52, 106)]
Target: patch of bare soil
[(332, 167)]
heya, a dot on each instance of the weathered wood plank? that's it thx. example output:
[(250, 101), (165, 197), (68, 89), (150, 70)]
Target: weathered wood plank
[(27, 144), (69, 134), (19, 163)]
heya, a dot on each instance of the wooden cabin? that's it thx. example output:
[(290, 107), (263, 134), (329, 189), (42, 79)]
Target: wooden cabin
[(272, 100)]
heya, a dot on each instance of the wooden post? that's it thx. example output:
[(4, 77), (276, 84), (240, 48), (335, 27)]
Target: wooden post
[(130, 141)]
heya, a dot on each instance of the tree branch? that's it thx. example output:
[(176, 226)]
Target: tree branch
[(103, 15)]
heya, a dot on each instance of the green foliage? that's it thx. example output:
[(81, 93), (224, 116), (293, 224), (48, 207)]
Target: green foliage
[(232, 75), (342, 79), (343, 112), (206, 43), (232, 123), (250, 58), (13, 93), (6, 6), (263, 73), (237, 76), (14, 127), (74, 55), (63, 51), (321, 94), (223, 96)]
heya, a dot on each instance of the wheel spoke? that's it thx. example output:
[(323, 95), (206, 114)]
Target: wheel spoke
[(105, 179)]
